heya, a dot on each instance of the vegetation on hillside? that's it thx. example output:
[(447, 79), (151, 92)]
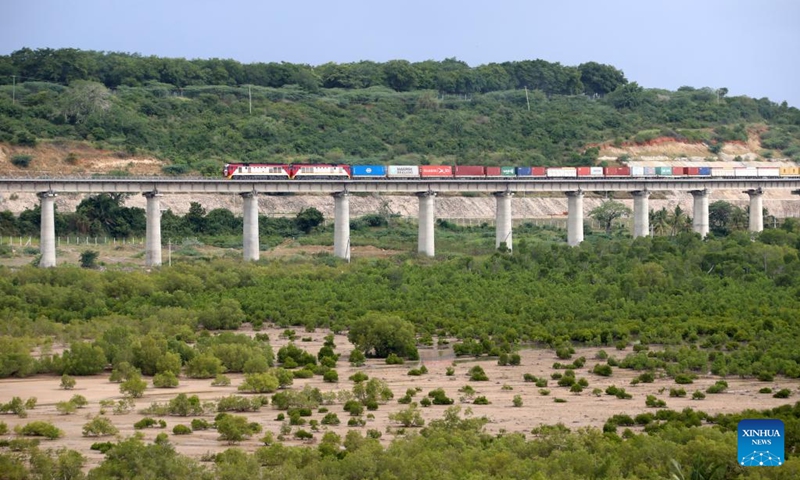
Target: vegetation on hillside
[(198, 114)]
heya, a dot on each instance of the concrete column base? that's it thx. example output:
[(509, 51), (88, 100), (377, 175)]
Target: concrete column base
[(426, 216), (47, 240), (574, 218), (700, 219), (251, 249), (341, 225), (504, 227), (756, 210), (152, 249), (641, 213)]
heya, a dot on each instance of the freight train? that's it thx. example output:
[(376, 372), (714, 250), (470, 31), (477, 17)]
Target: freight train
[(265, 171)]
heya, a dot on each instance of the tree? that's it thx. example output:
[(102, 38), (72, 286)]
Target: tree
[(600, 79), (410, 417), (308, 219), (381, 335), (133, 386), (235, 428), (83, 99), (609, 211), (83, 359)]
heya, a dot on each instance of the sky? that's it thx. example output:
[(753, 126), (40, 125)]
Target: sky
[(750, 47)]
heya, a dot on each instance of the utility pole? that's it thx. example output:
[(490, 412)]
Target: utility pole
[(13, 89), (250, 98)]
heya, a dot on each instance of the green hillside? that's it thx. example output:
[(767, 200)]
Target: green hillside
[(197, 114)]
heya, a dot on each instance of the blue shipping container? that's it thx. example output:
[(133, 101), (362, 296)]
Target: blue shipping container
[(523, 171), (704, 171), (368, 171)]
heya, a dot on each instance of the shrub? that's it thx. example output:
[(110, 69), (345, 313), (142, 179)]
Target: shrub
[(133, 386), (517, 401), (200, 424), (393, 359), (331, 419), (698, 395), (165, 380), (684, 378), (482, 400), (765, 390), (99, 427), (79, 401), (39, 429), (783, 393), (21, 161), (303, 435), (450, 371), (677, 392), (529, 377), (331, 376), (102, 447), (66, 408), (560, 400), (357, 358), (439, 397), (181, 430), (221, 381), (603, 370), (67, 382), (146, 422), (476, 374), (259, 383), (544, 392), (359, 377), (654, 402), (576, 388), (718, 387)]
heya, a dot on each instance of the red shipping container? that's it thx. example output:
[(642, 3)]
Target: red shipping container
[(678, 171), (584, 171), (617, 171), (692, 171), (470, 171), (538, 171), (493, 172), (435, 171)]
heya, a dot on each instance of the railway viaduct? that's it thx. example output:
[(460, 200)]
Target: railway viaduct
[(425, 189)]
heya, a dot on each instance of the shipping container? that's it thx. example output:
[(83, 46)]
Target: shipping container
[(562, 172), (508, 171), (769, 172), (403, 171), (649, 171), (745, 172), (693, 171), (320, 171), (521, 171), (539, 171), (469, 171), (435, 171), (677, 171), (722, 172), (368, 171), (637, 171), (583, 171), (790, 171), (664, 171), (493, 172), (704, 171), (617, 171)]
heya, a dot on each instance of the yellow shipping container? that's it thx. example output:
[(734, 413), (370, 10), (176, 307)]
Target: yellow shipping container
[(790, 171)]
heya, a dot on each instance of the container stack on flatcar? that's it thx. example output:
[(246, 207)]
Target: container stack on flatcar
[(266, 171)]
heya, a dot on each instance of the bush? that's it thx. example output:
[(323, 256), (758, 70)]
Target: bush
[(439, 397), (718, 387), (133, 386), (765, 390), (200, 424), (99, 427), (684, 378), (331, 419), (359, 377), (393, 359), (476, 374), (165, 380), (482, 400), (677, 392), (517, 401), (783, 393), (654, 402), (331, 376), (698, 395), (21, 161), (603, 370), (67, 382), (39, 429), (221, 381), (181, 430)]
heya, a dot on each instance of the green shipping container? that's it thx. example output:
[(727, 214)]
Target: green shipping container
[(666, 171), (508, 171)]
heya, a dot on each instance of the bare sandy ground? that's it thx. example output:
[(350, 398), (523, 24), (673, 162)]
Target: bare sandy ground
[(580, 410)]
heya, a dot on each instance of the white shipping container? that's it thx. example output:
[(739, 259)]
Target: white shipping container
[(722, 172), (745, 172), (637, 171), (562, 172), (403, 171), (596, 171), (769, 172)]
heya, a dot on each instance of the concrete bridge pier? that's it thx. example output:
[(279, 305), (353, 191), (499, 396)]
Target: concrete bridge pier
[(756, 209), (426, 214), (47, 245), (700, 219), (574, 218), (641, 213), (503, 220), (250, 244), (152, 249), (341, 225)]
